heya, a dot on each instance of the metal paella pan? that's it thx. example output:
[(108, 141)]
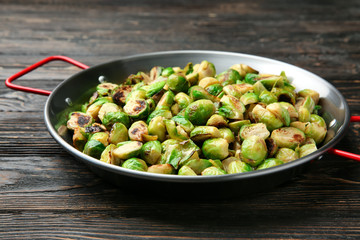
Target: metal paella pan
[(73, 91)]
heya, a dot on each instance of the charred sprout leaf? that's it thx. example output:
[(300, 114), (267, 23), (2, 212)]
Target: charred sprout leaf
[(154, 88), (268, 163), (175, 132), (212, 171), (135, 164), (155, 72), (183, 123), (253, 150), (178, 154)]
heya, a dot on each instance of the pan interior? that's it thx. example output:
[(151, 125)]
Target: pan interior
[(78, 88)]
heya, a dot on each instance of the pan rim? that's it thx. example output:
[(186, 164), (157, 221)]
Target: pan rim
[(196, 179)]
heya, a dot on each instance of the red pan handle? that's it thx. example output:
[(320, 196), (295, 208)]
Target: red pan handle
[(343, 153), (9, 84)]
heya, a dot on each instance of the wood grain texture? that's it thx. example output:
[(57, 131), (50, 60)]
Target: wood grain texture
[(47, 194)]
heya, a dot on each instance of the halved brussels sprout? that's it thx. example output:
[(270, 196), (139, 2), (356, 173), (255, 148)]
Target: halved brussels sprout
[(186, 171), (163, 112), (135, 164), (107, 108), (118, 133), (217, 120), (178, 154), (227, 134), (280, 112), (232, 91), (120, 93), (127, 149), (304, 114), (315, 131), (105, 89), (137, 108), (286, 155), (259, 88), (270, 162), (200, 111), (258, 129), (283, 95), (138, 130), (182, 100), (205, 82), (288, 137), (212, 171), (238, 166), (162, 169), (157, 128), (94, 148), (201, 133), (263, 115), (298, 125), (205, 69), (151, 152), (108, 157), (215, 148), (79, 120), (307, 149), (272, 146), (253, 150), (198, 165), (183, 123)]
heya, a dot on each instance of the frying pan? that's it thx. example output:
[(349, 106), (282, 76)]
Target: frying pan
[(77, 89)]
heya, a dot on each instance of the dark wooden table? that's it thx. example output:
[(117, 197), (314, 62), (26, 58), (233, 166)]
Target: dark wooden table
[(45, 193)]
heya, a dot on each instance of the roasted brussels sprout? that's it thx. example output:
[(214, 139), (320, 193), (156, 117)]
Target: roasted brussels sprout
[(135, 164), (211, 171), (200, 111), (215, 148), (268, 163), (79, 120), (258, 129), (288, 137), (118, 133), (201, 133), (253, 150), (127, 149), (162, 169)]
